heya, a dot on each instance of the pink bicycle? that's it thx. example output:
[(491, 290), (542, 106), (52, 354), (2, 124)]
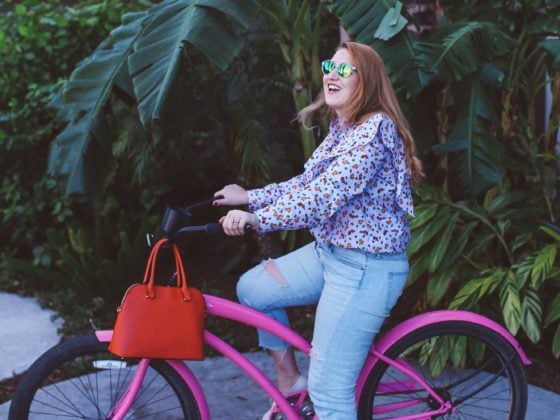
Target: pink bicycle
[(440, 364)]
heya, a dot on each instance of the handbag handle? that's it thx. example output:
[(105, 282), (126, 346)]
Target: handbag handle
[(149, 274)]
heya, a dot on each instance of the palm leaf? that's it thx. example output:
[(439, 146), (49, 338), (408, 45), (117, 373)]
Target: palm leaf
[(441, 245), (552, 47), (205, 24), (477, 158), (438, 284), (86, 136), (466, 47), (553, 311), (531, 315), (510, 303), (544, 261)]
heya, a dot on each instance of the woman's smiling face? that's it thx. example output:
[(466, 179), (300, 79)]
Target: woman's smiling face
[(338, 90)]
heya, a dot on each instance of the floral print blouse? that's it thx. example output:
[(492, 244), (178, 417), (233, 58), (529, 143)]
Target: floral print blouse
[(354, 191)]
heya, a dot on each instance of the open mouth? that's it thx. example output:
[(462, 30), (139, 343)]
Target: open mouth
[(333, 88)]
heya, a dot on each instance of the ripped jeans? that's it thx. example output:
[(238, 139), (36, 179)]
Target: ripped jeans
[(355, 291)]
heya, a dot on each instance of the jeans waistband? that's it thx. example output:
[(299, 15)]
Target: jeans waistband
[(396, 256)]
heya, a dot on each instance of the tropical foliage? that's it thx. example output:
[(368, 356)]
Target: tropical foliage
[(216, 83)]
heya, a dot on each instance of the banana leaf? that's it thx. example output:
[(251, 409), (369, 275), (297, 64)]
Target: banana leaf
[(204, 24), (477, 157), (86, 140), (464, 48), (141, 57)]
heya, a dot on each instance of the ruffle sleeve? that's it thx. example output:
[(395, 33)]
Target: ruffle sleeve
[(395, 144)]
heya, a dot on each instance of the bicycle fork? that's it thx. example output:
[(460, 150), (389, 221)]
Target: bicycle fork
[(444, 406), (123, 406)]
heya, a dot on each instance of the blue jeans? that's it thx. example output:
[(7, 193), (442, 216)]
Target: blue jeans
[(355, 291)]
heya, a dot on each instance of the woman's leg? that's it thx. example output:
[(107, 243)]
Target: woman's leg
[(291, 280), (360, 290)]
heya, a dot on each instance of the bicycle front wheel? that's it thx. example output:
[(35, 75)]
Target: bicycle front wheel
[(467, 364), (79, 378)]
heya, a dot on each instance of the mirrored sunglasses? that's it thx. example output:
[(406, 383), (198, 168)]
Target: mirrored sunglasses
[(343, 69)]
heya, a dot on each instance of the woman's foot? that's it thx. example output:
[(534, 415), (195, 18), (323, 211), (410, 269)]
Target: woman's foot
[(299, 386)]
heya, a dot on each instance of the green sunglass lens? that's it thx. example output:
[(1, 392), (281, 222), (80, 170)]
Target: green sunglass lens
[(328, 66), (344, 69)]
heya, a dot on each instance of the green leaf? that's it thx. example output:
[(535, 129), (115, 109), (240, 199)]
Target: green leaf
[(20, 9), (552, 47), (553, 311), (418, 267), (391, 24), (438, 284), (457, 246), (476, 349), (85, 142), (520, 240), (556, 342), (506, 200), (423, 235), (476, 157), (481, 245), (531, 315), (523, 270), (547, 23), (510, 303), (492, 75), (555, 234), (467, 46), (475, 289), (544, 261), (440, 247), (458, 354), (423, 214), (440, 356), (172, 26)]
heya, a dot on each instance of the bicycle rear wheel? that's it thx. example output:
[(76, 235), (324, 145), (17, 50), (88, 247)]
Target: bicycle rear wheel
[(79, 378), (468, 364)]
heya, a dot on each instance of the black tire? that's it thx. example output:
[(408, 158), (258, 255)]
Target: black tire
[(79, 378), (488, 382)]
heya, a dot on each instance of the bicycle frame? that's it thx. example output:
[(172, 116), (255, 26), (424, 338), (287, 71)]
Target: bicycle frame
[(227, 309)]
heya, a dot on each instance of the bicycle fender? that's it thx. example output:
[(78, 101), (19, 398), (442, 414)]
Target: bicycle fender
[(428, 318)]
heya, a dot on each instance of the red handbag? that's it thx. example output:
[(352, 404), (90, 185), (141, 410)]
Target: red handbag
[(160, 322)]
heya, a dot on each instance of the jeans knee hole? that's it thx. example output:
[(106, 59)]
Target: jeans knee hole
[(272, 269)]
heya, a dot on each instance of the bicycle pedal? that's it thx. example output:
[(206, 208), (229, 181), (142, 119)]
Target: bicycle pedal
[(302, 403), (307, 411)]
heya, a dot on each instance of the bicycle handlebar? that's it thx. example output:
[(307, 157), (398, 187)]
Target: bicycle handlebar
[(176, 221)]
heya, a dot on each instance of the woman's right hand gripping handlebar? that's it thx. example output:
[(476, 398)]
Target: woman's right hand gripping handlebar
[(234, 221)]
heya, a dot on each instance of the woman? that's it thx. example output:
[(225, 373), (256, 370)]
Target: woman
[(354, 195)]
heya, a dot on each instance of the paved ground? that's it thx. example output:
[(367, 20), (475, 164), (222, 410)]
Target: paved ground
[(27, 331)]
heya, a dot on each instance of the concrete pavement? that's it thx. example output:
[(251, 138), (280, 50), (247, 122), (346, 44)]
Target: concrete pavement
[(27, 331)]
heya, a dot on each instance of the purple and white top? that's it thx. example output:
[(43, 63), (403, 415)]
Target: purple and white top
[(354, 192)]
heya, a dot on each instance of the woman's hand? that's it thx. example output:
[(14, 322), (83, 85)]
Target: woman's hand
[(233, 195), (235, 220)]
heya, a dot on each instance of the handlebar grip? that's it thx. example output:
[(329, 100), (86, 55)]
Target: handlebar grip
[(217, 229), (214, 229)]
